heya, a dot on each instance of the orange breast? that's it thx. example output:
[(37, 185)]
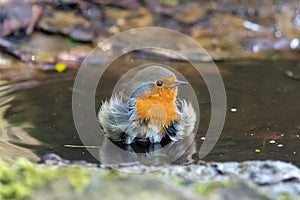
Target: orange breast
[(157, 98)]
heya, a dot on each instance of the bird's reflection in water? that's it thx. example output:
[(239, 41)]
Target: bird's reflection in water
[(146, 153)]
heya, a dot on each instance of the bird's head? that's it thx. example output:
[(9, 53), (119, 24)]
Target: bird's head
[(154, 100)]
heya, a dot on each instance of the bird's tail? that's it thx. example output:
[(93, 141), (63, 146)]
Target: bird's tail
[(114, 118)]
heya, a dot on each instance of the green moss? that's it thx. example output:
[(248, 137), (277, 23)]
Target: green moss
[(73, 41), (21, 179), (208, 188), (178, 181), (285, 196), (170, 2), (79, 178), (112, 175)]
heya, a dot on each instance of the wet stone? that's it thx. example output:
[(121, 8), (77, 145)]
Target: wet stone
[(14, 15), (129, 4), (191, 13), (66, 22), (126, 19), (228, 180)]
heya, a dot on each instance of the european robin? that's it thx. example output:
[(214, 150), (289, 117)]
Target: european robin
[(148, 109)]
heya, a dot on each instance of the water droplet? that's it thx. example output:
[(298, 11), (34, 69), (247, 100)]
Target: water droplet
[(278, 34), (33, 58), (294, 43), (279, 145), (289, 73), (272, 141), (256, 48), (252, 26), (233, 109)]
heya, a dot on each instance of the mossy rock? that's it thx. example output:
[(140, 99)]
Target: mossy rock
[(22, 178), (26, 180)]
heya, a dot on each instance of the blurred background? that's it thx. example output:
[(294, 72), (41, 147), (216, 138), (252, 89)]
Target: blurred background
[(255, 45)]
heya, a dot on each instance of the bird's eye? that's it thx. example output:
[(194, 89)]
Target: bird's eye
[(159, 83)]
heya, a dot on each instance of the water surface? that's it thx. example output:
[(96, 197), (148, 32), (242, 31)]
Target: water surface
[(262, 116)]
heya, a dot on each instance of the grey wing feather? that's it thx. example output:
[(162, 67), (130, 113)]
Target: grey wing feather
[(187, 121), (114, 117)]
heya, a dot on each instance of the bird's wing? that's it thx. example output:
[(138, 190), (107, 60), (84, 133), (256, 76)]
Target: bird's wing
[(183, 127), (114, 117)]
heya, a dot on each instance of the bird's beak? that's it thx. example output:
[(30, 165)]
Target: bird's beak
[(177, 83)]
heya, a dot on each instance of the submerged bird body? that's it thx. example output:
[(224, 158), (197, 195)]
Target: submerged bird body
[(148, 109)]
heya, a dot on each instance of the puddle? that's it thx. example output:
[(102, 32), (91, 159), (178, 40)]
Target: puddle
[(262, 115)]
